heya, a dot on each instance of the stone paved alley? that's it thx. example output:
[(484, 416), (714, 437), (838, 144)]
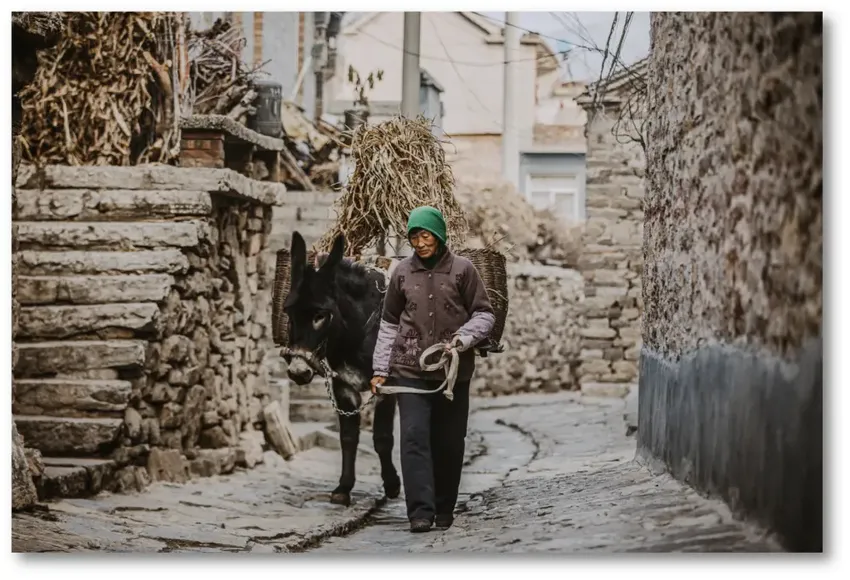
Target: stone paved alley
[(545, 473)]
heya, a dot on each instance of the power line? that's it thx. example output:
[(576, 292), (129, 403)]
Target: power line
[(483, 64), (457, 72), (465, 63), (593, 48)]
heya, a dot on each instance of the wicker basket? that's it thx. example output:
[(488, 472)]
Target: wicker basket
[(491, 266), (280, 290)]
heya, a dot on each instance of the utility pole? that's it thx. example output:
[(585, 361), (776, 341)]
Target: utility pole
[(409, 81), (410, 65), (318, 56), (510, 130)]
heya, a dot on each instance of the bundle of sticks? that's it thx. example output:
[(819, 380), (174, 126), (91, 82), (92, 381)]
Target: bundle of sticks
[(220, 83), (100, 96)]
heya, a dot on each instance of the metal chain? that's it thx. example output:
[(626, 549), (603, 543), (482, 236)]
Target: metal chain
[(329, 386)]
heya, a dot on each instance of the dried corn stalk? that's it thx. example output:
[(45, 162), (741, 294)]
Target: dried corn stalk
[(399, 165), (103, 95)]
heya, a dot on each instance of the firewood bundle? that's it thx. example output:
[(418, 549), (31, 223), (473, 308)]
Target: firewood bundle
[(220, 82), (100, 96)]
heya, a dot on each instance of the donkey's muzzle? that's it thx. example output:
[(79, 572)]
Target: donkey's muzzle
[(299, 371)]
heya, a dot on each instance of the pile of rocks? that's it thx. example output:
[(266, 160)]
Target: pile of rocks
[(203, 381)]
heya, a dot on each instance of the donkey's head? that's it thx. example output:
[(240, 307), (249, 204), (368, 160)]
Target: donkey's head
[(315, 320)]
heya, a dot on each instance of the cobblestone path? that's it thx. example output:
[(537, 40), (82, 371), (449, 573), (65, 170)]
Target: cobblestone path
[(545, 473)]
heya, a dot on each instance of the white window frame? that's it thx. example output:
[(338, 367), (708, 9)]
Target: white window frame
[(577, 191)]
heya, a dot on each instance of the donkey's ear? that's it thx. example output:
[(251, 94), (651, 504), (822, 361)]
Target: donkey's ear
[(335, 257), (298, 261)]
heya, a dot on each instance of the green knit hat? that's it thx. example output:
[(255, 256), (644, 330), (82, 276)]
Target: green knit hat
[(427, 218)]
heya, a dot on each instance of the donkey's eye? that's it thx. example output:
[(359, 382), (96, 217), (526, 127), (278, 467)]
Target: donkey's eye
[(319, 320)]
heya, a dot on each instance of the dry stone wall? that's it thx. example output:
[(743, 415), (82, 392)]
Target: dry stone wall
[(611, 259), (145, 304), (541, 334), (731, 386)]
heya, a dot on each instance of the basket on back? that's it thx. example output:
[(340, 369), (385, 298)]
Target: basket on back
[(280, 322), (491, 266), (489, 263)]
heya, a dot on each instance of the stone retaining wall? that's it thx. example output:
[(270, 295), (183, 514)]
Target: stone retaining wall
[(541, 334), (611, 258), (731, 386), (145, 303)]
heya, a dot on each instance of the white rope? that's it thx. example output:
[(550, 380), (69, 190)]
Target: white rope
[(449, 360)]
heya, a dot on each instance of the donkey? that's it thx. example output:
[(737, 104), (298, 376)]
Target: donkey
[(334, 314)]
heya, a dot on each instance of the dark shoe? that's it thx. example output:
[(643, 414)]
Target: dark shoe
[(420, 526), (443, 521)]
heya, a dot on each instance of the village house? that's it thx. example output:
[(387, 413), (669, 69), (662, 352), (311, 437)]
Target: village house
[(462, 58)]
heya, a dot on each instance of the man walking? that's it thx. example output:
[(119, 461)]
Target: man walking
[(433, 297)]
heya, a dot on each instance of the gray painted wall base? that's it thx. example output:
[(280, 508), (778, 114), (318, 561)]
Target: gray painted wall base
[(743, 426)]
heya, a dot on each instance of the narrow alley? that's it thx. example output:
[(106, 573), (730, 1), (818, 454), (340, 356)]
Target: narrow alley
[(544, 473)]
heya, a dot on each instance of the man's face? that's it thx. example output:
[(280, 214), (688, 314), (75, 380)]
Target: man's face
[(424, 243)]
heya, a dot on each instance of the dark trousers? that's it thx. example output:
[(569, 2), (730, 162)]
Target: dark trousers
[(433, 439)]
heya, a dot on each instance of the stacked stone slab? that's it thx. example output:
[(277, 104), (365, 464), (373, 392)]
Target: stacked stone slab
[(144, 306), (611, 261)]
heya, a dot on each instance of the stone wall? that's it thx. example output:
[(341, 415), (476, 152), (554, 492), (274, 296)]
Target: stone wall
[(541, 334), (731, 368), (145, 303), (611, 259)]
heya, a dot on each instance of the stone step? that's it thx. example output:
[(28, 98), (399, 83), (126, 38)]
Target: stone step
[(34, 290), (151, 177), (34, 263), (306, 198), (309, 434), (307, 229), (295, 213), (108, 204), (315, 390), (311, 410), (69, 436), (66, 321), (69, 477), (50, 358), (69, 397), (107, 235)]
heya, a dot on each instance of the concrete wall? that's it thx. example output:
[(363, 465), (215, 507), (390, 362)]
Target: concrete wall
[(731, 378), (280, 46)]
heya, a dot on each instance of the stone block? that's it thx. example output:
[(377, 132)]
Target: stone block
[(607, 390), (278, 431), (168, 465), (598, 332), (24, 492)]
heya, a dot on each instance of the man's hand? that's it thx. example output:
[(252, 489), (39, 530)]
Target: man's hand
[(461, 343), (377, 382)]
